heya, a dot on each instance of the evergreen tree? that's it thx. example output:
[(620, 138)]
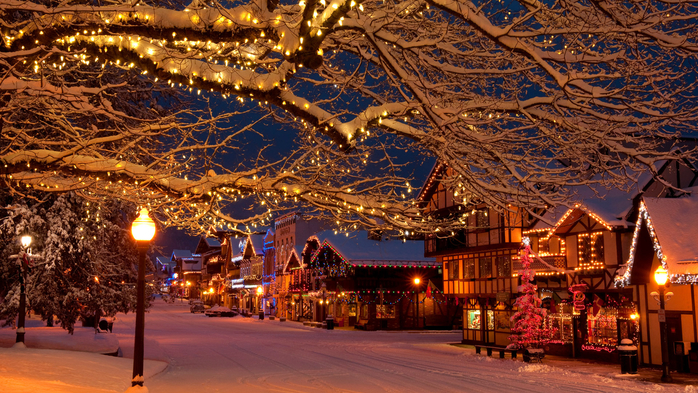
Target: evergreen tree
[(88, 259), (529, 326)]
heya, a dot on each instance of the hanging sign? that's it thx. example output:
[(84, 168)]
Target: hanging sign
[(503, 297)]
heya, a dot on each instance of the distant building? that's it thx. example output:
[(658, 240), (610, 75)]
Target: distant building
[(366, 282), (212, 269), (291, 231), (188, 267), (165, 267)]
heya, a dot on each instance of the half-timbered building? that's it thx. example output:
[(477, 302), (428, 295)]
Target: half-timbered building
[(665, 234), (576, 256), (367, 282)]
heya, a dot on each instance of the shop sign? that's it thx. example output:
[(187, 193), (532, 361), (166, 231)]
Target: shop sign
[(503, 297)]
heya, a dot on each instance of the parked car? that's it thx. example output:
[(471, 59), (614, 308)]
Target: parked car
[(197, 307)]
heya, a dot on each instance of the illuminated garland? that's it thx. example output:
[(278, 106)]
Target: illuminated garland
[(583, 209), (599, 348), (622, 281)]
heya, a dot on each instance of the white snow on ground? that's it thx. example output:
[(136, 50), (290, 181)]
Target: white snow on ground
[(245, 354), (83, 339), (49, 370)]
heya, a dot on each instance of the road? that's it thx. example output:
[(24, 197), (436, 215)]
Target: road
[(249, 355)]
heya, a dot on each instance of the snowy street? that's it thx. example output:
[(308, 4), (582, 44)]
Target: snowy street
[(245, 354)]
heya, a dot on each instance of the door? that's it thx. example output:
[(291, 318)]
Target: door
[(673, 333)]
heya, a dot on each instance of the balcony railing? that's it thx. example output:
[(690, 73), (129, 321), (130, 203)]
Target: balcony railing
[(433, 245), (557, 261)]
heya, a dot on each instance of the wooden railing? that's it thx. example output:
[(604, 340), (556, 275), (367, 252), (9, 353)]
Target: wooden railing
[(558, 261)]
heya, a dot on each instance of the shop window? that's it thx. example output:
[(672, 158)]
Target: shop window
[(503, 266), (502, 320), (602, 328), (351, 309), (364, 311), (469, 268), (453, 273), (385, 311), (485, 267), (474, 319), (483, 221), (561, 323)]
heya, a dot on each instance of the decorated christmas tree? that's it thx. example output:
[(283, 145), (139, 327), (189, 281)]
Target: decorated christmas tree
[(528, 323)]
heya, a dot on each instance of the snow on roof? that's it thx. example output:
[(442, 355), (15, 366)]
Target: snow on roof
[(298, 251), (609, 205), (181, 254), (164, 261), (356, 246), (239, 245), (212, 242), (258, 243), (675, 222)]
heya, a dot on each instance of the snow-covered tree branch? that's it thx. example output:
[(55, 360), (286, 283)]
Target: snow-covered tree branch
[(523, 100)]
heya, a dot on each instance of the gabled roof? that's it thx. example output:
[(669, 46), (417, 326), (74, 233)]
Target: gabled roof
[(164, 261), (256, 242), (211, 242), (269, 238), (672, 224), (206, 244), (176, 254), (431, 182), (295, 254), (675, 222), (356, 247)]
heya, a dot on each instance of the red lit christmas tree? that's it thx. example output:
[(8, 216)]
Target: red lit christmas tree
[(528, 323)]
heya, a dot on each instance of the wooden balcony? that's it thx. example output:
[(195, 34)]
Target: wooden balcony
[(557, 261)]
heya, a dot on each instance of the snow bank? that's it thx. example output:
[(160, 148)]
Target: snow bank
[(537, 368), (84, 339), (46, 370), (137, 389), (220, 309)]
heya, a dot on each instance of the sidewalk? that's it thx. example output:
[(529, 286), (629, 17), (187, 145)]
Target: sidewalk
[(610, 370)]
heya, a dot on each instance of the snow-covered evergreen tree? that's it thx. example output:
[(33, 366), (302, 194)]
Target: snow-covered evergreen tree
[(528, 322), (15, 221), (87, 259)]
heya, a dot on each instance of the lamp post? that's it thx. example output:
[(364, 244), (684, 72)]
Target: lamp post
[(26, 240), (260, 308), (143, 230), (417, 280), (323, 289), (660, 276)]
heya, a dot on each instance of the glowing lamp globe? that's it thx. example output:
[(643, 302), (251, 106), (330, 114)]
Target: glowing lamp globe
[(417, 281), (143, 227), (26, 241), (259, 290), (661, 275)]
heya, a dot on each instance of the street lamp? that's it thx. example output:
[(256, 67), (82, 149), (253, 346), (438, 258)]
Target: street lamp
[(660, 276), (26, 240), (323, 302), (417, 280), (143, 230)]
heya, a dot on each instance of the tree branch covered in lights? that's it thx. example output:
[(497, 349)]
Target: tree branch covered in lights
[(523, 100)]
